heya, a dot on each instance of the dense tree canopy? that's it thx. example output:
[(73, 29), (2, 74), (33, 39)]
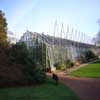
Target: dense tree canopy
[(3, 29)]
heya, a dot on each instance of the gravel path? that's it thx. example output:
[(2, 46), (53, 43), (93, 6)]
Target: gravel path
[(85, 88)]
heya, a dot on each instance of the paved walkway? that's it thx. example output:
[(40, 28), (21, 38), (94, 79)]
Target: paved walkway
[(85, 88)]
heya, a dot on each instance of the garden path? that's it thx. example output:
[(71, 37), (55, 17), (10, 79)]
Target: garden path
[(85, 88)]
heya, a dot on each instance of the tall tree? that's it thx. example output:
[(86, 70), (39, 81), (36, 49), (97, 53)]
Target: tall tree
[(3, 29), (98, 38)]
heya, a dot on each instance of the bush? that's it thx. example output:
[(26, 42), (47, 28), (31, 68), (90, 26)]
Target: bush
[(57, 65), (69, 64), (19, 53), (89, 55), (64, 66), (61, 67), (33, 72)]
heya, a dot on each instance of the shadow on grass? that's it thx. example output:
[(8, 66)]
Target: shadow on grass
[(51, 82)]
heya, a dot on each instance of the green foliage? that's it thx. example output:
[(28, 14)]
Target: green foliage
[(89, 55), (33, 71), (56, 64), (3, 29), (19, 53), (69, 64), (64, 66)]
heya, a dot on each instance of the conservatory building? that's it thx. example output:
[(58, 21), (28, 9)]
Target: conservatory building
[(57, 49)]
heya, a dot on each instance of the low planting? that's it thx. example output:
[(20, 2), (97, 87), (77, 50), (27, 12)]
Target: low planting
[(64, 66)]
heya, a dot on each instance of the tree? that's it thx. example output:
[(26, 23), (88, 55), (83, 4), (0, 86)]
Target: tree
[(21, 55), (3, 29), (97, 40)]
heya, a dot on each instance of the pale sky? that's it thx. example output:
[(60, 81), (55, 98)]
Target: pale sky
[(40, 15)]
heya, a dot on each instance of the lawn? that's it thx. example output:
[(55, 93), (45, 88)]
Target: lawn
[(91, 71), (48, 91)]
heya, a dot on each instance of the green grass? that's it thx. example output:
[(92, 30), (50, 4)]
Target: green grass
[(48, 91), (91, 71)]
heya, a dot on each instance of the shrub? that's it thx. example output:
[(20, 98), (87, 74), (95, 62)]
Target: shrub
[(57, 65), (64, 66), (61, 67), (33, 72), (19, 53), (69, 64), (89, 55)]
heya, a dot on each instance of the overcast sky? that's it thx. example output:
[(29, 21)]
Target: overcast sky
[(40, 15)]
